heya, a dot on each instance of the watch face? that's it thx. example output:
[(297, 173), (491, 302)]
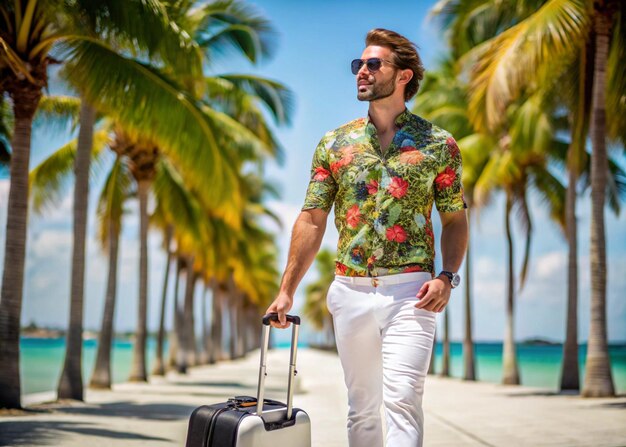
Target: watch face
[(456, 280)]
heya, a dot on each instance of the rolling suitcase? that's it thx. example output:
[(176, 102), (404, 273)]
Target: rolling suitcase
[(241, 422)]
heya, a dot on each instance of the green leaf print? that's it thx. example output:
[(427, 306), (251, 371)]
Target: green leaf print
[(394, 213)]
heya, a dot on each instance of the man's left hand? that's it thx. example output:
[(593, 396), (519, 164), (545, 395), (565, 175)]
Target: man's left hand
[(434, 295)]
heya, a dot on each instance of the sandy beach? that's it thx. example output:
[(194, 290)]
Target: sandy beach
[(457, 413)]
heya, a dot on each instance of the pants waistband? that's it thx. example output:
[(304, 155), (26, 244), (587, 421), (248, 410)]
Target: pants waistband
[(384, 280)]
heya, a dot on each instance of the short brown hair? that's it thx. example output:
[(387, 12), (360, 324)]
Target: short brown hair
[(405, 55)]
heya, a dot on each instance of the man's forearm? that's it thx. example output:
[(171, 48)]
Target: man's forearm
[(306, 239), (454, 236)]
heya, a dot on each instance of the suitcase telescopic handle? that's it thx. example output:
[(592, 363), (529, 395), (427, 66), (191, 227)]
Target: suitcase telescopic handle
[(265, 338), (274, 317)]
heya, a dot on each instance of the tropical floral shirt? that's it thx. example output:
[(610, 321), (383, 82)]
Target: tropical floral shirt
[(383, 199)]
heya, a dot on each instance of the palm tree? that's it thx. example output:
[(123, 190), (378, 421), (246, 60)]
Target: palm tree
[(110, 210), (30, 32), (168, 96), (443, 100), (518, 164), (25, 91), (315, 305), (159, 364), (560, 30), (508, 163)]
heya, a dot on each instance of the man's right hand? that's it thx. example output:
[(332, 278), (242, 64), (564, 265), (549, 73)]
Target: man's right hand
[(281, 305)]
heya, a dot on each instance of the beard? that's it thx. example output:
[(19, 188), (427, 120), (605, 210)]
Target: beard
[(378, 90)]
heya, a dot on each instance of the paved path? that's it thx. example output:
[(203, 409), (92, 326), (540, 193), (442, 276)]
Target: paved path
[(457, 413)]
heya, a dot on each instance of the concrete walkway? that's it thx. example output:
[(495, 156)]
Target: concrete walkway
[(457, 413)]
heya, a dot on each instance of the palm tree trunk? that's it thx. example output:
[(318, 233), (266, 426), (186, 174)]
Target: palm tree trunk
[(232, 323), (159, 366), (510, 372), (569, 372), (445, 368), (71, 382), (138, 371), (216, 324), (598, 378), (189, 325), (469, 362), (241, 326), (179, 330), (203, 357), (233, 298), (250, 327), (101, 377), (25, 99), (174, 343)]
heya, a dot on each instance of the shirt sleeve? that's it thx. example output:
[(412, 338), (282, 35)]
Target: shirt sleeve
[(322, 185), (448, 186)]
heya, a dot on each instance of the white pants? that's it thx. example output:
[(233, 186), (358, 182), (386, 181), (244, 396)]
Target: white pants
[(385, 345)]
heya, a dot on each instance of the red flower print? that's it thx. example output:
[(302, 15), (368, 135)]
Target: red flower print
[(413, 268), (372, 187), (407, 148), (454, 148), (411, 157), (396, 233), (446, 178), (321, 174), (348, 156), (340, 269), (353, 216), (335, 166), (398, 187)]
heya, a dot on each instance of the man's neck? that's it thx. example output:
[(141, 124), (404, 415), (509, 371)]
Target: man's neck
[(383, 114)]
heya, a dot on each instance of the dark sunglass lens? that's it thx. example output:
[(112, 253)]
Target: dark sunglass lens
[(356, 65), (374, 64)]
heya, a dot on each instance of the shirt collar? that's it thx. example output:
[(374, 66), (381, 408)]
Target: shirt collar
[(402, 119)]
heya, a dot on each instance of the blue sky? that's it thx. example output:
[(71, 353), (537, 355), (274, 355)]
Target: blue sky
[(316, 41)]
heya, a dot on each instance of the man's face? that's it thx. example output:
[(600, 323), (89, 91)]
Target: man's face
[(382, 83)]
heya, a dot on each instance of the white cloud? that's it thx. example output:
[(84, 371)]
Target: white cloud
[(49, 244), (551, 265)]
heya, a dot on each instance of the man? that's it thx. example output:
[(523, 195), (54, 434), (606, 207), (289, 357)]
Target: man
[(383, 173)]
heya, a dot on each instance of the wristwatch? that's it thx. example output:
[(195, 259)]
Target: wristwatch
[(453, 277)]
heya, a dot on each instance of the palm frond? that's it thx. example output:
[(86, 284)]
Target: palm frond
[(477, 150), (531, 127), (149, 103), (59, 113), (615, 186), (243, 107), (510, 61), (489, 179), (142, 26), (50, 179), (117, 189), (616, 79), (6, 131), (175, 201), (232, 24), (274, 95), (551, 192), (241, 140), (8, 57)]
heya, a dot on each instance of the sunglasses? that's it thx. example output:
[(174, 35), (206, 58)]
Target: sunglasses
[(373, 64)]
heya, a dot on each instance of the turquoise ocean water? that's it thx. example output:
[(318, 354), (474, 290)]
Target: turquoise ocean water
[(42, 359)]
